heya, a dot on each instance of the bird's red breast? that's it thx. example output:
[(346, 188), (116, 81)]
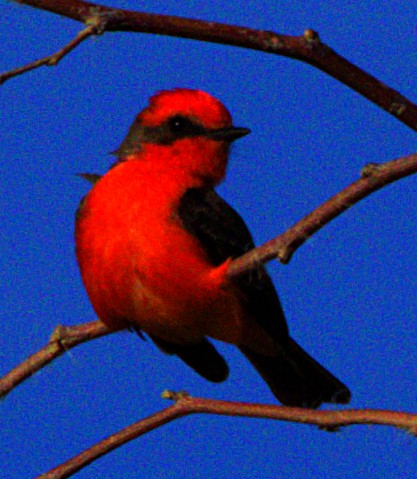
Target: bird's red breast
[(141, 267)]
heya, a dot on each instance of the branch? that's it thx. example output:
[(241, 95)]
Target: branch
[(373, 177), (283, 247), (52, 60), (307, 48), (62, 339), (185, 405)]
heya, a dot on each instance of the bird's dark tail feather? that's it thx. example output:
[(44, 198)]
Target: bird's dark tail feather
[(296, 379)]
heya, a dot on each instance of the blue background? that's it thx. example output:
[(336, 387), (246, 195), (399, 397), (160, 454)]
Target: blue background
[(349, 292)]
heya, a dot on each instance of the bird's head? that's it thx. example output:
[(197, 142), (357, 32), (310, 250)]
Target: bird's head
[(188, 128)]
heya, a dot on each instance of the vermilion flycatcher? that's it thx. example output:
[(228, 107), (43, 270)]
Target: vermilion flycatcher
[(154, 241)]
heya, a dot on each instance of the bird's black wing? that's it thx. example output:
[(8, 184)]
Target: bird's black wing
[(223, 234)]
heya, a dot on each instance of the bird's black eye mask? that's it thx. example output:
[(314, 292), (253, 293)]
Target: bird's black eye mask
[(174, 128)]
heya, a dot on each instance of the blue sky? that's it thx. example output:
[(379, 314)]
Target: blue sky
[(349, 292)]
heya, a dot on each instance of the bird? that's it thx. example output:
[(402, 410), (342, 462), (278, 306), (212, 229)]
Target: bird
[(154, 241)]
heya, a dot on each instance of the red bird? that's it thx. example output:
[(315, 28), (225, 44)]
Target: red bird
[(154, 241)]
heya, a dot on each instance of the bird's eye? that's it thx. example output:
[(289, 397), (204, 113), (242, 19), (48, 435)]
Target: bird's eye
[(180, 124)]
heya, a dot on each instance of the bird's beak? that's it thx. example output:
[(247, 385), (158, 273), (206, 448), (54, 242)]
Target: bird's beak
[(228, 134)]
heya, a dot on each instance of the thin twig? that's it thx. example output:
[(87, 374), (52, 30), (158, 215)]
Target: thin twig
[(62, 339), (307, 48), (186, 405), (52, 60), (282, 247)]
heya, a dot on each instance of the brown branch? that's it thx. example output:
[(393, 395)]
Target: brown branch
[(374, 177), (62, 339), (307, 48), (283, 247), (52, 60), (186, 405)]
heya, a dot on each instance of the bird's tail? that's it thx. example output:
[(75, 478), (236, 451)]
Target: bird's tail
[(296, 379)]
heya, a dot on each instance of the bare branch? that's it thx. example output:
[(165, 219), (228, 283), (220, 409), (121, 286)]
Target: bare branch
[(53, 59), (374, 177), (62, 339), (307, 48), (282, 247), (186, 405)]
